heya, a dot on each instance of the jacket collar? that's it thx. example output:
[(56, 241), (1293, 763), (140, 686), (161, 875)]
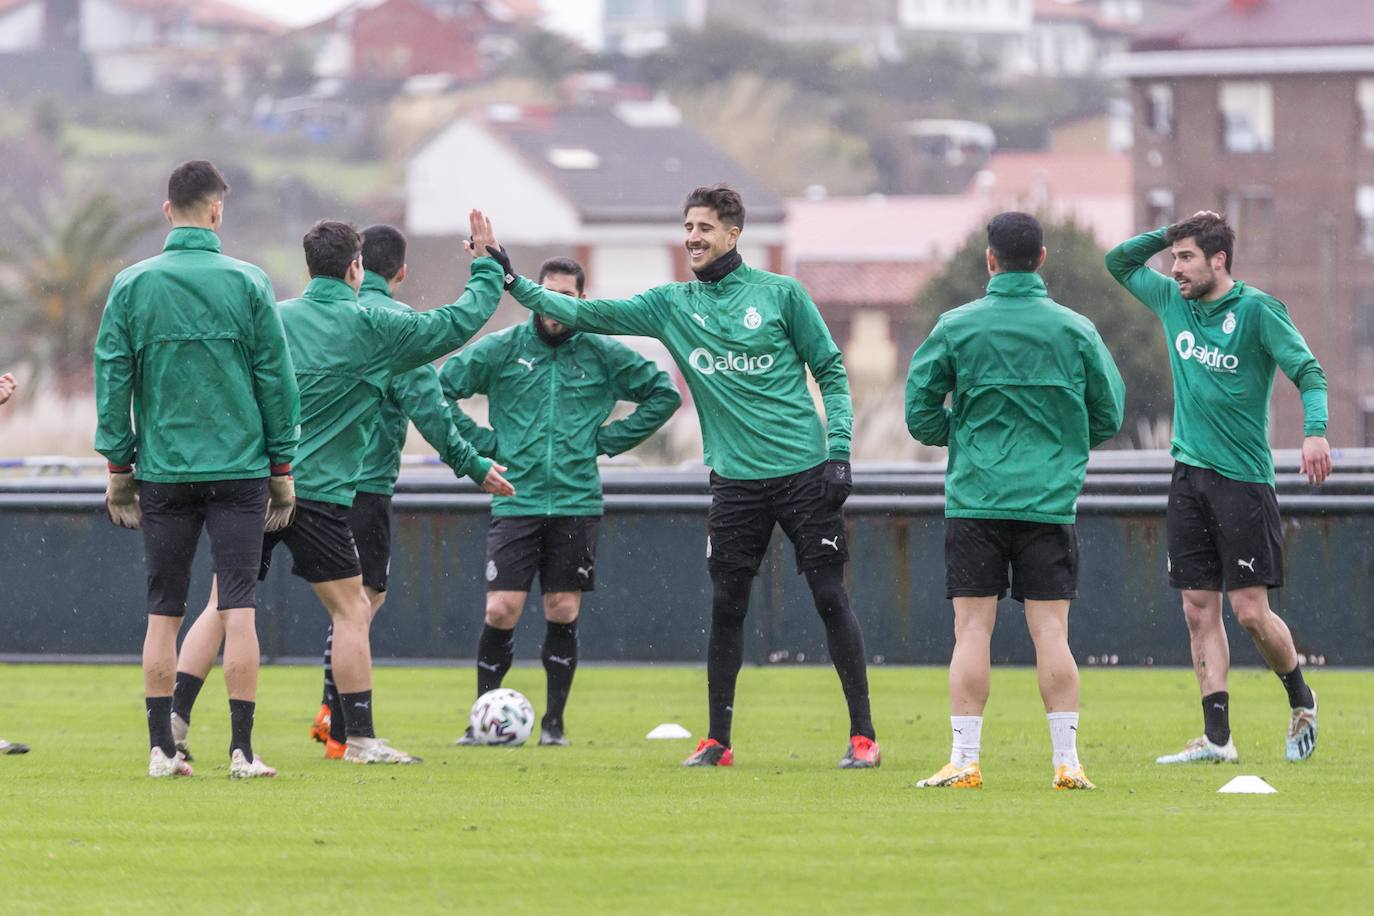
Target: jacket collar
[(1225, 302), (1016, 283), (329, 289), (375, 283), (191, 238)]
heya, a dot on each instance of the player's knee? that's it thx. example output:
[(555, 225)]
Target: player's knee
[(730, 598), (502, 614), (1201, 610), (1251, 613), (828, 591), (561, 607)]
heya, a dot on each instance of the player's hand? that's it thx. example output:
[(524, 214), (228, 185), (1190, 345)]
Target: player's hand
[(7, 386), (495, 484), (836, 483), (1316, 460), (281, 502), (121, 500), (1212, 213)]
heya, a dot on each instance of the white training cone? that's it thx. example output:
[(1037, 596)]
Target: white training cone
[(667, 731), (1248, 785)]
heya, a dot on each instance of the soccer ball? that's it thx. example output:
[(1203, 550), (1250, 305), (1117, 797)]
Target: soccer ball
[(502, 716)]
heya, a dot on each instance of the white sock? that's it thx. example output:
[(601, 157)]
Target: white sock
[(1064, 737), (968, 734)]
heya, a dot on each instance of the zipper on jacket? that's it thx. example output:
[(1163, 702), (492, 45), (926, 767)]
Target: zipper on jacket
[(548, 463)]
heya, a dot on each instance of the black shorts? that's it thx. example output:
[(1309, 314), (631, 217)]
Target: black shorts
[(320, 541), (743, 513), (1043, 559), (231, 511), (1224, 534), (562, 549), (370, 522)]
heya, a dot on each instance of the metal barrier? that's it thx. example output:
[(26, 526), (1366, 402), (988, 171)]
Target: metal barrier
[(75, 586)]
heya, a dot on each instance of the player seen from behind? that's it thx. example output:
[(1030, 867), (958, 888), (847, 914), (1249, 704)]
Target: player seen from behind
[(1034, 388)]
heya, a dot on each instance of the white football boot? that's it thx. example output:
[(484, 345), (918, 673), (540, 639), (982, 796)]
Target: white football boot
[(159, 764), (180, 729), (375, 750), (240, 767), (1200, 750), (1302, 732)]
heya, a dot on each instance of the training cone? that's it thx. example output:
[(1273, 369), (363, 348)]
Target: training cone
[(668, 731), (1248, 785)]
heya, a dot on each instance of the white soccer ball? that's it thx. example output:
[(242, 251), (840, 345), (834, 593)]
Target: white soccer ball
[(502, 716)]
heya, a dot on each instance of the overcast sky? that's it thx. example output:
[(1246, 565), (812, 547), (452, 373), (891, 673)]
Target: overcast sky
[(579, 19)]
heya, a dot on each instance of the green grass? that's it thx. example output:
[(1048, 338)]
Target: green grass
[(613, 825)]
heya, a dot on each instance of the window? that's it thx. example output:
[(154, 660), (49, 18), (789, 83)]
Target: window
[(1364, 218), (1251, 212), (1247, 117), (1366, 100), (1159, 108), (1159, 208)]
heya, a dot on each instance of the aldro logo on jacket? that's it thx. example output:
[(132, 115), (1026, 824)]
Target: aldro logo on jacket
[(1211, 357), (707, 363)]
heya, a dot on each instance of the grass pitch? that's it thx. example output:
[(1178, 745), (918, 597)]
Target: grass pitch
[(614, 825)]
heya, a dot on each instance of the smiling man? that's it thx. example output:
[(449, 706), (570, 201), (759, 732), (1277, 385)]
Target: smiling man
[(1226, 338), (744, 339)]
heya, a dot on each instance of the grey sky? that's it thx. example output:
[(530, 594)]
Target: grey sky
[(577, 18)]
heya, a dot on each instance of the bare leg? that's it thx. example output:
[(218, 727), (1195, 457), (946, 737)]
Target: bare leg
[(970, 666), (160, 655), (1055, 668), (201, 645), (1211, 652), (351, 612), (1270, 634)]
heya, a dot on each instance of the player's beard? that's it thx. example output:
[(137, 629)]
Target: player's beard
[(1200, 289)]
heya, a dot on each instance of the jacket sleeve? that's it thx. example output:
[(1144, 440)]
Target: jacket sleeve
[(634, 378), (817, 348), (639, 315), (466, 373), (114, 383), (1105, 392), (1285, 343), (928, 381), (1128, 261), (421, 398), (415, 338), (274, 379)]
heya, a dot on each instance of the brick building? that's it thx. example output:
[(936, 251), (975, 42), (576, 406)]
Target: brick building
[(1264, 109)]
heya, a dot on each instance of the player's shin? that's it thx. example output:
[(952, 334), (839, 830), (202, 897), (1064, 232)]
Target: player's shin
[(725, 648), (845, 640)]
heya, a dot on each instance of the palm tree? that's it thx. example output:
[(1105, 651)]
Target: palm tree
[(59, 274)]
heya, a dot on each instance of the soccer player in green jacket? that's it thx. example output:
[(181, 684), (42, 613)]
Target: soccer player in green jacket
[(198, 416), (1225, 340), (744, 338), (345, 357), (7, 386), (1034, 389), (550, 390)]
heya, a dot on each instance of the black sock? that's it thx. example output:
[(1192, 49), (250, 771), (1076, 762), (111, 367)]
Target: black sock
[(725, 648), (160, 724), (495, 652), (1216, 717), (845, 639), (1299, 694), (337, 731), (357, 710), (184, 694), (328, 665), (241, 727), (560, 662)]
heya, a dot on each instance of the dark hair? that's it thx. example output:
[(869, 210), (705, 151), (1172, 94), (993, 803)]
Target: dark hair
[(195, 182), (1212, 234), (384, 250), (330, 246), (1016, 240), (563, 266), (725, 200)]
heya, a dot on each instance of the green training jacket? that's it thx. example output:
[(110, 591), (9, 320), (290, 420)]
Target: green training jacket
[(345, 357), (413, 396), (548, 405), (1034, 389), (1223, 356), (743, 344), (191, 342)]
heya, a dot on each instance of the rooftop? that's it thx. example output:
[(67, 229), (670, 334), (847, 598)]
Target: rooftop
[(1263, 24)]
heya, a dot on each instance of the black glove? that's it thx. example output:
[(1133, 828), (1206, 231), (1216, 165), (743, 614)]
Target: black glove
[(836, 483), (500, 257)]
